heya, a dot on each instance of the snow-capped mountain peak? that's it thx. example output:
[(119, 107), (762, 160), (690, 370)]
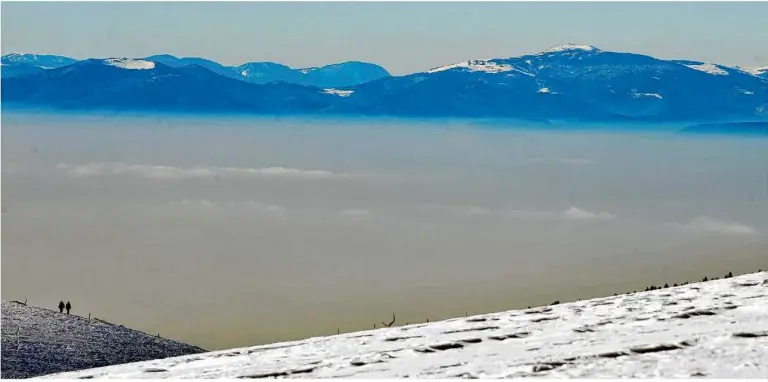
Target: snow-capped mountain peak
[(571, 47), (130, 63)]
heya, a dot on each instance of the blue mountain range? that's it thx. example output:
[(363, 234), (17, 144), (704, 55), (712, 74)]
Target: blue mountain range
[(567, 82), (343, 74), (15, 64)]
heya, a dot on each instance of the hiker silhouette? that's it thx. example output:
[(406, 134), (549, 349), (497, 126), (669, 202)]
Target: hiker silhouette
[(69, 306), (61, 306)]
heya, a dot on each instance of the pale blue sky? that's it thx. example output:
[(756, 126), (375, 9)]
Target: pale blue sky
[(403, 37)]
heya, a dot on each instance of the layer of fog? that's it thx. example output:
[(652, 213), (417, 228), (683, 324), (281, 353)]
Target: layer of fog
[(234, 231)]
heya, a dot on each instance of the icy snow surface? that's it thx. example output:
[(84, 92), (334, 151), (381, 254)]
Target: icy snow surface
[(716, 329), (546, 91), (639, 95), (479, 66), (129, 63), (340, 93), (709, 68)]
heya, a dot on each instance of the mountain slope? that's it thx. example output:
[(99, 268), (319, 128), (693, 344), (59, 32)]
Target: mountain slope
[(38, 341), (579, 80), (16, 69), (176, 62), (458, 93), (714, 329), (340, 75)]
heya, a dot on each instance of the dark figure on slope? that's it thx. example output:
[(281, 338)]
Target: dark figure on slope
[(61, 306), (69, 306)]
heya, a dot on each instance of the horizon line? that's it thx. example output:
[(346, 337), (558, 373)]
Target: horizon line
[(594, 48)]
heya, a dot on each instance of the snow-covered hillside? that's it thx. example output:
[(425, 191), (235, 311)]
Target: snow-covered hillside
[(761, 71), (39, 341), (712, 329)]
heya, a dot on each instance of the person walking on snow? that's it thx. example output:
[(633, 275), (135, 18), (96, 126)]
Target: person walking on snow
[(69, 306), (61, 306)]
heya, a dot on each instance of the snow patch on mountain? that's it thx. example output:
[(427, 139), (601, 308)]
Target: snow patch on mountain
[(639, 95), (755, 71), (130, 63), (571, 47), (478, 66), (340, 93), (709, 68)]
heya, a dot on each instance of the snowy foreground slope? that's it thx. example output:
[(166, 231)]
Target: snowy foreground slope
[(39, 341), (712, 329)]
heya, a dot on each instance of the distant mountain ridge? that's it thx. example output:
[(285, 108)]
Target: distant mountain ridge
[(44, 61), (335, 75), (565, 82), (16, 64)]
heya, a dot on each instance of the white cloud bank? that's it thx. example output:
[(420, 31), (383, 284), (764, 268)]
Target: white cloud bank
[(244, 208), (173, 173), (572, 214), (707, 224)]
